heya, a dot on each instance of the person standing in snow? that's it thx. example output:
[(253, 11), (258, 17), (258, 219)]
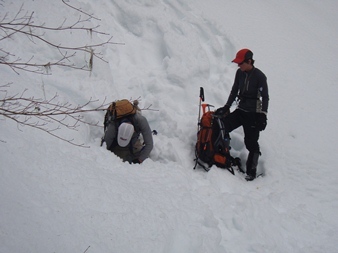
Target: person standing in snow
[(124, 141), (251, 88)]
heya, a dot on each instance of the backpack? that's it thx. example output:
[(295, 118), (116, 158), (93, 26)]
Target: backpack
[(118, 112), (213, 144)]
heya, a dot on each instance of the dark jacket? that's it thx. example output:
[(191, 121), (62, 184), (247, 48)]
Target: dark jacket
[(141, 126), (252, 90)]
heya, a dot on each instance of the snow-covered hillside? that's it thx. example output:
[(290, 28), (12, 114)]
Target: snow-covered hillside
[(57, 197)]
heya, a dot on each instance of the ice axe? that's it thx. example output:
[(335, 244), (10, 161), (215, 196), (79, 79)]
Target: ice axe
[(199, 108)]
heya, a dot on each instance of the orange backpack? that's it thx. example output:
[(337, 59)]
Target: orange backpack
[(213, 144)]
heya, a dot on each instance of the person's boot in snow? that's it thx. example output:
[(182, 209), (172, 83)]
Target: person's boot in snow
[(251, 165)]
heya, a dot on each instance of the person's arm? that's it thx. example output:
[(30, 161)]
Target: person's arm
[(147, 137), (264, 93), (109, 135), (234, 90)]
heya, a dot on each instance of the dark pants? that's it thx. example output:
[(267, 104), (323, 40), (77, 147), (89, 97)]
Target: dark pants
[(251, 135), (248, 120)]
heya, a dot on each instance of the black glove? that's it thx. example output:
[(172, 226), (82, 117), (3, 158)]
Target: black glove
[(261, 121), (223, 111)]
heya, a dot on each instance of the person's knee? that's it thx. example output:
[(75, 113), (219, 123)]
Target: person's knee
[(252, 145)]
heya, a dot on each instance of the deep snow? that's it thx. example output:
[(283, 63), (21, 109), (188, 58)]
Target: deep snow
[(56, 197)]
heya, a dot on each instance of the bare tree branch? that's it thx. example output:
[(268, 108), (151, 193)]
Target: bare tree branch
[(44, 114), (78, 9), (22, 24), (48, 115)]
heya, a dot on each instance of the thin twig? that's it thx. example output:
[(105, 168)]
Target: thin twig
[(86, 249)]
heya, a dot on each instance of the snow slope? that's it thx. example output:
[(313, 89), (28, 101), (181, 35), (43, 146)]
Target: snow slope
[(56, 197)]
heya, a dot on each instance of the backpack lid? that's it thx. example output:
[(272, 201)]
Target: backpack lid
[(125, 132), (122, 108)]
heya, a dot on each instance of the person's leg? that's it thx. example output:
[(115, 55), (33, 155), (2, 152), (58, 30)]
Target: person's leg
[(251, 165), (232, 121), (123, 153), (251, 136)]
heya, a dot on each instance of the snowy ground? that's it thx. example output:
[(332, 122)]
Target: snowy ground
[(56, 197)]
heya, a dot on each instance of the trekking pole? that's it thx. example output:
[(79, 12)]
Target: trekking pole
[(199, 108)]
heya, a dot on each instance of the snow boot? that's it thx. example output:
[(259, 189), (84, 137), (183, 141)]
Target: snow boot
[(251, 165), (249, 178)]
